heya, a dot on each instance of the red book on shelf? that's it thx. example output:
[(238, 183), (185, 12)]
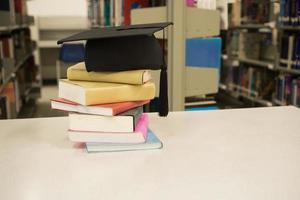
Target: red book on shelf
[(18, 6), (129, 4), (110, 109), (5, 47)]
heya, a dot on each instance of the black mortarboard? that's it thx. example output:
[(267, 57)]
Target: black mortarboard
[(124, 48)]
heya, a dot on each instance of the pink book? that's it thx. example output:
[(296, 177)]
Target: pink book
[(190, 3), (110, 109), (138, 136)]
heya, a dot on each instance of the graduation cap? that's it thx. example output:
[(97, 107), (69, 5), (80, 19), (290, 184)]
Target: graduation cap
[(123, 48)]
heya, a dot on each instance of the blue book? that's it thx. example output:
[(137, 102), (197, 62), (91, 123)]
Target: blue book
[(203, 52), (296, 53), (282, 12), (298, 12), (152, 142)]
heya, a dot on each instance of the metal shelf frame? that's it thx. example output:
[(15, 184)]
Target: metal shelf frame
[(18, 66)]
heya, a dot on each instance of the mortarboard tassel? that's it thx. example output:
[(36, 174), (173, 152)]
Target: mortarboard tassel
[(163, 93), (163, 90)]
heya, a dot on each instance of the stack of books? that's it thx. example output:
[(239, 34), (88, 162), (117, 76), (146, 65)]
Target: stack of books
[(106, 109)]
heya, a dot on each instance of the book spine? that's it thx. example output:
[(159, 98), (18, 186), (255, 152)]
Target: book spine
[(298, 92), (3, 107)]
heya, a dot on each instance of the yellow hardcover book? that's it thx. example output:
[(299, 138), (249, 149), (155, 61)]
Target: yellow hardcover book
[(136, 77), (93, 93)]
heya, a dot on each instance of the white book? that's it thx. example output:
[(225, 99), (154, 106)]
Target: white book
[(112, 15), (135, 137), (118, 12), (125, 122)]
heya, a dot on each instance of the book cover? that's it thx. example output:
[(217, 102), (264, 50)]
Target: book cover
[(110, 109), (152, 142), (136, 77), (125, 122), (93, 93), (139, 135)]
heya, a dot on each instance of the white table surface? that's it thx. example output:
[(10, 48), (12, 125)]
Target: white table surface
[(241, 154)]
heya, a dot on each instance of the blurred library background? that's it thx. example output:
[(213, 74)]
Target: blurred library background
[(220, 53)]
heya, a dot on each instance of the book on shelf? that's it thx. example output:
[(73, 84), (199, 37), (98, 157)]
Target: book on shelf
[(109, 109), (124, 122), (3, 107), (9, 92), (255, 12), (130, 4), (137, 77), (284, 50), (255, 82), (288, 90), (7, 47), (296, 92), (251, 81), (289, 12), (152, 142), (280, 88), (93, 93), (1, 50), (118, 18), (138, 135), (290, 51), (18, 95), (107, 13), (296, 54)]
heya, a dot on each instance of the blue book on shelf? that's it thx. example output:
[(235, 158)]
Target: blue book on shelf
[(152, 142), (282, 12), (203, 52)]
